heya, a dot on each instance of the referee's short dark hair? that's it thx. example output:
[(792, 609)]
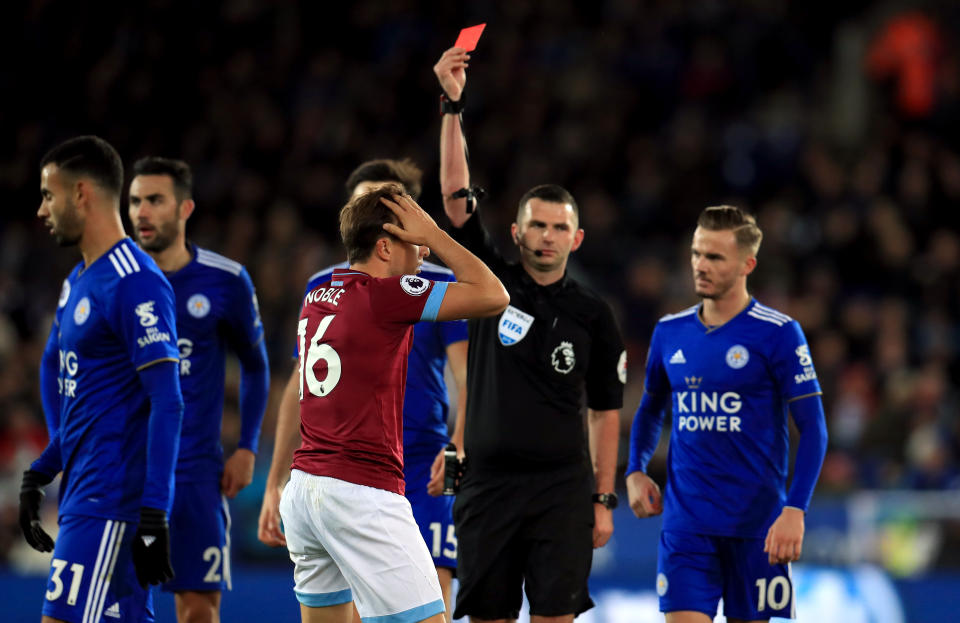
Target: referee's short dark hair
[(551, 193), (403, 172), (89, 156), (743, 225), (178, 171), (362, 219)]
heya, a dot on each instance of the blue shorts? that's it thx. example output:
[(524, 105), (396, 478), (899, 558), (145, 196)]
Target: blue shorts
[(92, 578), (434, 515), (694, 571), (199, 538)]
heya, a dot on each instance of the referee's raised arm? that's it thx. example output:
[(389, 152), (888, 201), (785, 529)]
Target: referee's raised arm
[(454, 171)]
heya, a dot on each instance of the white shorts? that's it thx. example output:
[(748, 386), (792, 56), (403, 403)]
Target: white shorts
[(352, 542)]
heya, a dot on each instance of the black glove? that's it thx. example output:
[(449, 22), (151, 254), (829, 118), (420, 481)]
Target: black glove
[(151, 548), (31, 494)]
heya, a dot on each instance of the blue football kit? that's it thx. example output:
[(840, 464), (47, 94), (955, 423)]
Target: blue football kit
[(425, 411), (730, 389), (216, 310), (116, 414)]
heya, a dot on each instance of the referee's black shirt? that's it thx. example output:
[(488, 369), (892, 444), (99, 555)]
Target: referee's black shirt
[(529, 368)]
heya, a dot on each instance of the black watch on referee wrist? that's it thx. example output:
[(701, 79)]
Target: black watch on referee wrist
[(608, 500)]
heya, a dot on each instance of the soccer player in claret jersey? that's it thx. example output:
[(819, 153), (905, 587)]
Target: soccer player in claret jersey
[(732, 370), (349, 529), (425, 403), (217, 311), (118, 401)]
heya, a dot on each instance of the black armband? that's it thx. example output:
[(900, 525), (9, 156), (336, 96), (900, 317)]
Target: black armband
[(473, 194), (449, 107)]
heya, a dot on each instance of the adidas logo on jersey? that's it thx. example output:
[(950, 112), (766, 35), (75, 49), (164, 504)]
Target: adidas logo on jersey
[(678, 357), (113, 611)]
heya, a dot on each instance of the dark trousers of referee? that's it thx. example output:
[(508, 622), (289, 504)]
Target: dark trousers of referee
[(532, 528)]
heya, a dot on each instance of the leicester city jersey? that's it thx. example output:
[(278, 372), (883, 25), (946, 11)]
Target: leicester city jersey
[(425, 404), (216, 310), (116, 317), (731, 387)]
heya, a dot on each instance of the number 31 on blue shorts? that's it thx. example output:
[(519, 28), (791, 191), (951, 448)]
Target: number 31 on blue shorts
[(92, 576)]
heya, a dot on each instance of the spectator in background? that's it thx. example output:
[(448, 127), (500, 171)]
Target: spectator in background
[(909, 52)]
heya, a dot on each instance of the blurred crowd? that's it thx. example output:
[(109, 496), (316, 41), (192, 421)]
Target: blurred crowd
[(837, 125)]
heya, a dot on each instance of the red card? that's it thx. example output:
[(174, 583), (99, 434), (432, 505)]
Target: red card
[(469, 36)]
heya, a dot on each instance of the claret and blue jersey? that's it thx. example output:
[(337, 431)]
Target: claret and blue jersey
[(730, 388), (425, 404), (217, 310)]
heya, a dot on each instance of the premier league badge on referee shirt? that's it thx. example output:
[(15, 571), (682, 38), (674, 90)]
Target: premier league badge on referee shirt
[(514, 325), (563, 358)]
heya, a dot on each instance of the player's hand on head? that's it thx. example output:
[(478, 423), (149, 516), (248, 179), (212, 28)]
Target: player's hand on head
[(31, 495), (451, 71), (644, 495), (237, 472), (416, 226), (268, 527), (151, 548), (784, 542)]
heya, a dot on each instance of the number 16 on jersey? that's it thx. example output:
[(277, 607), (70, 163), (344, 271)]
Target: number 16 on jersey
[(312, 354)]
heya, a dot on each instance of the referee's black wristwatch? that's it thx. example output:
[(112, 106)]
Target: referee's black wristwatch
[(608, 500)]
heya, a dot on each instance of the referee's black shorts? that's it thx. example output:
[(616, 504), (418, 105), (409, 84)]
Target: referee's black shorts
[(524, 527)]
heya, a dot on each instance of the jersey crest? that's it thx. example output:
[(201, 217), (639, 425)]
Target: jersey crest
[(198, 305), (64, 293), (514, 325), (737, 357), (662, 584), (82, 311), (256, 311)]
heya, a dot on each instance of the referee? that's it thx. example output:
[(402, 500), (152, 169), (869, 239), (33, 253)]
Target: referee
[(531, 507)]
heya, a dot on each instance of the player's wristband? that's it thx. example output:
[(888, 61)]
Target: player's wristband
[(152, 519), (449, 107)]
